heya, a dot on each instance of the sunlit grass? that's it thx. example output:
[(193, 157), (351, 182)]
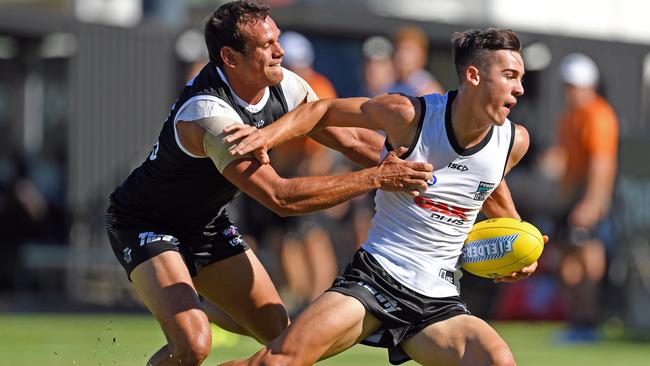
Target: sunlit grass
[(108, 339)]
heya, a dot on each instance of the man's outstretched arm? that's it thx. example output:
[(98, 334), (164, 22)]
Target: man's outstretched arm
[(296, 196), (395, 114)]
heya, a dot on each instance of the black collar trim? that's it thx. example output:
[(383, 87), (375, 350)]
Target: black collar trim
[(450, 131), (423, 113)]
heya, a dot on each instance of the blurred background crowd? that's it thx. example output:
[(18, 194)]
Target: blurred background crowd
[(86, 84)]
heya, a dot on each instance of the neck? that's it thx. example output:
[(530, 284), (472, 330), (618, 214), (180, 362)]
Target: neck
[(469, 129), (246, 90)]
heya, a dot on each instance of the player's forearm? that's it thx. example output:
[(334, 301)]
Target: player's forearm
[(365, 148), (303, 195), (297, 123), (360, 145)]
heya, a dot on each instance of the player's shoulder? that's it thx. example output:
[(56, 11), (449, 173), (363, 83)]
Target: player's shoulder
[(296, 90), (434, 105), (521, 140), (206, 106), (290, 78), (437, 100)]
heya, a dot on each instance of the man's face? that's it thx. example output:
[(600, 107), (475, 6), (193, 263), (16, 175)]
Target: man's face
[(408, 57), (500, 84), (262, 56)]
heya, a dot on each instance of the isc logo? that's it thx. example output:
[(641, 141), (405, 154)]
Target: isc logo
[(459, 167)]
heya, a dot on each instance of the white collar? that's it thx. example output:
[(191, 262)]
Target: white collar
[(252, 108)]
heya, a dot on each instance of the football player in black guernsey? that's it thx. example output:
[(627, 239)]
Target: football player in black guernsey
[(167, 222)]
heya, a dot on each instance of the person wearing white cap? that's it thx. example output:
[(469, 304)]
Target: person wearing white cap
[(308, 257), (299, 58), (587, 142)]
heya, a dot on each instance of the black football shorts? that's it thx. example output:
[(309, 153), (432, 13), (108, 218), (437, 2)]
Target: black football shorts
[(135, 240), (402, 311)]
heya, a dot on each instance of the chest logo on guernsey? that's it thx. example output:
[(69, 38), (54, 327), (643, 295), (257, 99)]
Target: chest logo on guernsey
[(483, 191), (459, 167), (443, 212)]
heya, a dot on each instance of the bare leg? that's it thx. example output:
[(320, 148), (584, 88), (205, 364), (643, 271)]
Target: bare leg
[(165, 287), (241, 288), (462, 340), (330, 325)]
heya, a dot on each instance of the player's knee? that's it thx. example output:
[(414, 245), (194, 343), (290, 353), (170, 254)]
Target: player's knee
[(195, 347), (502, 356)]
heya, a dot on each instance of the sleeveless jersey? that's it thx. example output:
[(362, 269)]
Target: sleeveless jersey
[(419, 240), (187, 193)]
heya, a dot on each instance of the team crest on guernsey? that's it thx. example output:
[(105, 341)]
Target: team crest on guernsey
[(483, 190)]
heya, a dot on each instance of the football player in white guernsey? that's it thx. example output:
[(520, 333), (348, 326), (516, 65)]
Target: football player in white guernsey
[(400, 290), (243, 83)]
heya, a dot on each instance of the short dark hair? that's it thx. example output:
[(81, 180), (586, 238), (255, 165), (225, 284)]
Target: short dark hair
[(474, 46), (223, 27)]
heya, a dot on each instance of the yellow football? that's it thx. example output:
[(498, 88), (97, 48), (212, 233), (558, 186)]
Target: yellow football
[(497, 247)]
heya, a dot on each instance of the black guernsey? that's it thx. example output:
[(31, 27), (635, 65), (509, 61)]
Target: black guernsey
[(183, 193)]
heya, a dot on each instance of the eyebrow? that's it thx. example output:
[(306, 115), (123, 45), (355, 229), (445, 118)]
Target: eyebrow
[(515, 71)]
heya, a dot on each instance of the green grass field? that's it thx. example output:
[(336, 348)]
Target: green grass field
[(125, 340)]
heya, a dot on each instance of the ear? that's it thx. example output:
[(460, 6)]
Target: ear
[(228, 55), (472, 75)]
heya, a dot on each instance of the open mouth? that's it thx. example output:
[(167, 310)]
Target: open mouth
[(510, 105)]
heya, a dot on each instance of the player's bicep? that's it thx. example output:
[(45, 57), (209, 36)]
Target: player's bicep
[(396, 114), (213, 141)]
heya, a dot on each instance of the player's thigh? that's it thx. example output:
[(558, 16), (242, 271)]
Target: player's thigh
[(330, 325), (165, 286), (460, 340), (242, 288)]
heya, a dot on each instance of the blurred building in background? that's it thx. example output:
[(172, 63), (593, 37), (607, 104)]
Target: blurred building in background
[(85, 85)]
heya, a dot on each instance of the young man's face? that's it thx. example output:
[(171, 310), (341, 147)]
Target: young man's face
[(500, 84), (263, 54)]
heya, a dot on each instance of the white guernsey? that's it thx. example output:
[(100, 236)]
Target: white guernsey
[(416, 240)]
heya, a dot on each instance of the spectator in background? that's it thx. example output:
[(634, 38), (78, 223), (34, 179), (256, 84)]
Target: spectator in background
[(307, 257), (299, 58), (585, 159), (378, 69), (411, 49), (24, 214)]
